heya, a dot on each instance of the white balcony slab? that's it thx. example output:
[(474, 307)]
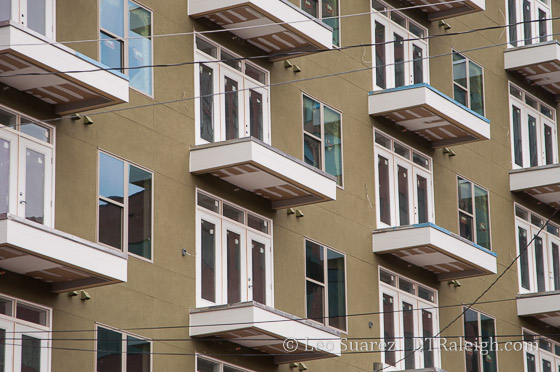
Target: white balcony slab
[(542, 183), (538, 63), (544, 306), (275, 26), (24, 52), (424, 110), (438, 9), (259, 168), (64, 260), (265, 329), (433, 248)]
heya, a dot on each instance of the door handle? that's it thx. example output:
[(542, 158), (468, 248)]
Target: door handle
[(22, 202)]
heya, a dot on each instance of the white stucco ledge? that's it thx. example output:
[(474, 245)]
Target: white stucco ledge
[(433, 248), (439, 9), (66, 261), (542, 183), (544, 306), (266, 329)]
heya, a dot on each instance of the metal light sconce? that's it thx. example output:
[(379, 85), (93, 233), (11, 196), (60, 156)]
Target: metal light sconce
[(87, 120), (84, 296), (448, 151), (445, 25), (454, 283), (299, 213)]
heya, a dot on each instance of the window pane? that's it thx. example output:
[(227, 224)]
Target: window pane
[(533, 150), (137, 355), (408, 334), (31, 314), (330, 9), (110, 51), (30, 354), (314, 262), (231, 98), (208, 260), (231, 60), (466, 226), (426, 294), (233, 267), (427, 334), (5, 13), (384, 200), (398, 19), (315, 299), (556, 266), (4, 175), (111, 177), (488, 354), (420, 160), (471, 338), (35, 186), (402, 175), (140, 48), (539, 264), (465, 195), (399, 60), (482, 217), (259, 271), (405, 285), (531, 366), (460, 94), (337, 290), (206, 47), (333, 144), (388, 278), (140, 212), (311, 7), (110, 224), (389, 329), (203, 365), (380, 60), (2, 348), (8, 119), (422, 191), (517, 144), (459, 70), (112, 16), (418, 64), (35, 130), (233, 213), (5, 306), (402, 150), (382, 140), (312, 151), (206, 103), (512, 20), (416, 30), (255, 73), (546, 366), (256, 114), (527, 25), (257, 223), (109, 350), (524, 258), (208, 202), (476, 90), (548, 151), (543, 33), (312, 117)]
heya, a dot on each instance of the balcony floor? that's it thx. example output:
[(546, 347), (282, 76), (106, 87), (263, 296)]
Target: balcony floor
[(544, 306), (542, 183)]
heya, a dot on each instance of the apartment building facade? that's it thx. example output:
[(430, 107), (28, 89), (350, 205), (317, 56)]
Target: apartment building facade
[(279, 185)]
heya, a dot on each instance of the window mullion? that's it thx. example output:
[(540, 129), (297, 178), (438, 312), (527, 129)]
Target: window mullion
[(125, 212), (323, 154), (325, 286)]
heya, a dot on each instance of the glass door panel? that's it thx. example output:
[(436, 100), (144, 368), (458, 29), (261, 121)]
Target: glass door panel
[(259, 261), (37, 15), (209, 260), (404, 193), (422, 196), (30, 349), (8, 172), (256, 112), (6, 346), (234, 279), (232, 105)]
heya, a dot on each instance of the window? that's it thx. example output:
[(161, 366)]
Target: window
[(37, 15), (24, 336), (125, 206), (233, 253), (533, 130), (474, 212), (539, 265), (232, 96), (403, 179), (119, 351), (322, 137), (212, 365), (409, 322), (325, 285), (326, 10), (480, 342), (529, 21), (125, 33), (468, 83), (26, 167), (400, 52), (541, 354)]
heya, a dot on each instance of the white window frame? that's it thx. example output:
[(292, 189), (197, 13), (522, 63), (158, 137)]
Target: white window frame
[(246, 84), (548, 238), (320, 16), (21, 141), (124, 205), (16, 328), (395, 159), (221, 364), (533, 348), (399, 296), (541, 119), (468, 61), (247, 235), (518, 17), (473, 214), (124, 345), (478, 346), (391, 28)]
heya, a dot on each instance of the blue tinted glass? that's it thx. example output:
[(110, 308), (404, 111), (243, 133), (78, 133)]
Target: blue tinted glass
[(111, 51), (140, 48), (111, 177), (112, 16)]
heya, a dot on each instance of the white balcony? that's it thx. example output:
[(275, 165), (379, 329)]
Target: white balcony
[(542, 183), (64, 260), (265, 329), (422, 109), (433, 248), (439, 9), (260, 168), (544, 306), (275, 26), (538, 63), (31, 64)]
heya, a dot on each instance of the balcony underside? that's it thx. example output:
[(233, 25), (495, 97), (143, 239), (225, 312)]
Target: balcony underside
[(429, 113), (29, 63), (65, 261), (538, 63), (426, 245), (275, 26), (265, 329), (439, 9), (261, 169), (544, 306), (542, 183)]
